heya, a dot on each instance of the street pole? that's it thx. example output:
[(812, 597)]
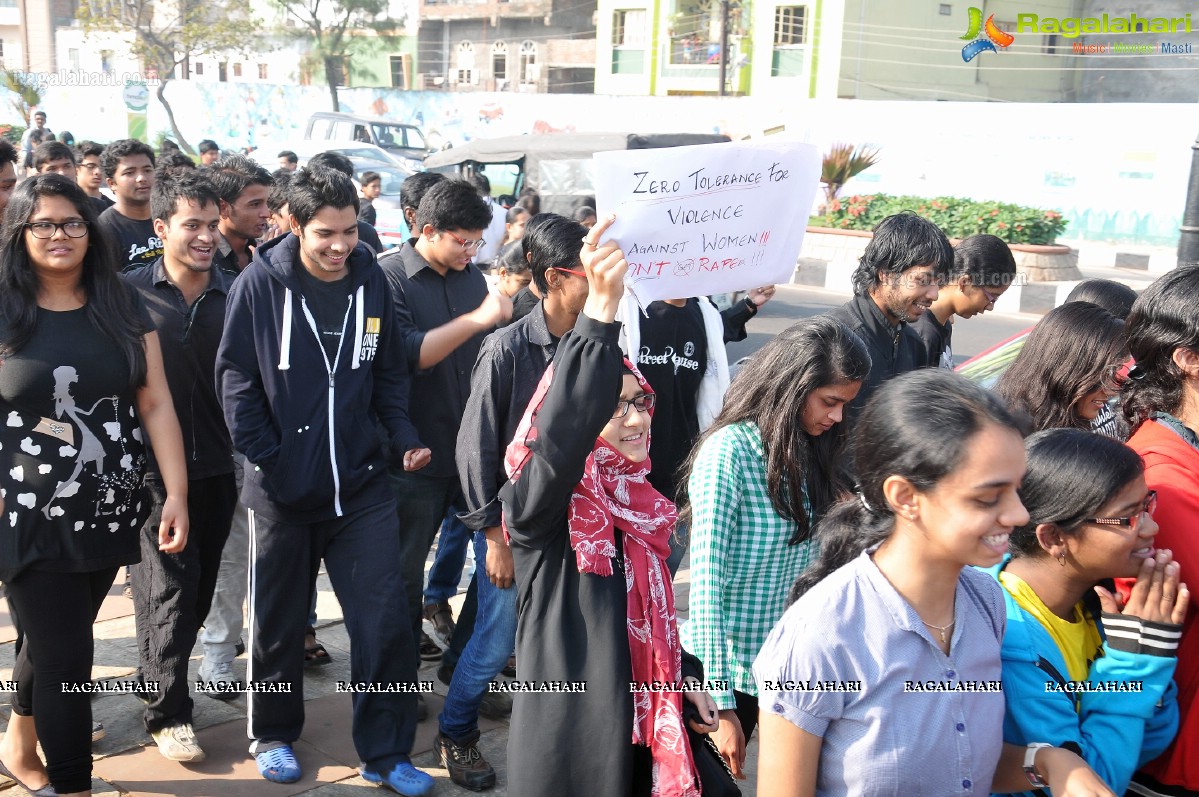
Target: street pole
[(1188, 240), (724, 46)]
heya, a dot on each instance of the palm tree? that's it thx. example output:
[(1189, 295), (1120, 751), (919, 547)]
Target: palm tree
[(841, 163), (25, 91)]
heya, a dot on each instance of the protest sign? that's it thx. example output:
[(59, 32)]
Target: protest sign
[(706, 219)]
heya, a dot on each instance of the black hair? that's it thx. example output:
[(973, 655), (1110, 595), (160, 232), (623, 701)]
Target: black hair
[(192, 185), (414, 188), (51, 151), (900, 242), (110, 159), (316, 187), (333, 160), (167, 146), (85, 148), (453, 205), (480, 182), (1071, 475), (985, 259), (891, 438), (1164, 318), (36, 114), (66, 137), (208, 145), (110, 306), (530, 200), (291, 156), (1065, 357), (512, 259), (583, 213), (174, 162), (1115, 297), (277, 198), (514, 214), (551, 241), (772, 391), (8, 153), (368, 178), (38, 136), (233, 174)]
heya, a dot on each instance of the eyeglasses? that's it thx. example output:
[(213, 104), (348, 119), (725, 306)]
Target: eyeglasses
[(644, 403), (1112, 381), (1148, 508), (571, 271), (467, 245), (91, 167), (991, 298), (46, 229)]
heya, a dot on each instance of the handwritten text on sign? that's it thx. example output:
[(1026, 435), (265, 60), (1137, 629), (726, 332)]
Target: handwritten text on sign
[(707, 219)]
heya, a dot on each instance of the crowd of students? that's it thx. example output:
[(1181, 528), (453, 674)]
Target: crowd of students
[(903, 582)]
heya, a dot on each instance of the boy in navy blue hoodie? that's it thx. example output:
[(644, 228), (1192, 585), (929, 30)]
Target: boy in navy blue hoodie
[(308, 360)]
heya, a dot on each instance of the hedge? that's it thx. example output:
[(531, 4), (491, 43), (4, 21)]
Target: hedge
[(959, 218)]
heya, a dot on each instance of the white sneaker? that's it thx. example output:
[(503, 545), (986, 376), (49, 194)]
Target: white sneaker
[(178, 743), (219, 681)]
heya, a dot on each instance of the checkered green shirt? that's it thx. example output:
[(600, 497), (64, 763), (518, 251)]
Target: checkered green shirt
[(741, 565)]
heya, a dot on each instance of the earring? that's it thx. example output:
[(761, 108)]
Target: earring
[(1061, 559)]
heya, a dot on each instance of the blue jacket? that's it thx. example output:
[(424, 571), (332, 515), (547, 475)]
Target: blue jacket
[(306, 425), (1114, 731)]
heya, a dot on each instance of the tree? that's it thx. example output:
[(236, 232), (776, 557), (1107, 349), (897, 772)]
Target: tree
[(26, 92), (166, 33), (842, 162), (330, 27)]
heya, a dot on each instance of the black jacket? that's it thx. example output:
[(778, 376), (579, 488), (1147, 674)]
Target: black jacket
[(308, 427), (893, 350)]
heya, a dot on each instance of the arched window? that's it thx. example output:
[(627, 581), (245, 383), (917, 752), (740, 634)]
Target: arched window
[(530, 70), (465, 64), (499, 63)]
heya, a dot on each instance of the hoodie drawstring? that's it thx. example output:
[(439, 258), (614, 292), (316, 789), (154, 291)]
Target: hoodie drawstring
[(285, 344), (358, 326)]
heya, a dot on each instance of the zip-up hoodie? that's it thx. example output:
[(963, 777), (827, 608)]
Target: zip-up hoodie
[(1113, 731), (307, 424)]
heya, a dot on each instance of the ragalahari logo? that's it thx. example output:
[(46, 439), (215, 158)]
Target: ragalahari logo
[(983, 37)]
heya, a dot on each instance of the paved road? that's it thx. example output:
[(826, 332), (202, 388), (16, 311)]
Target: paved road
[(792, 302)]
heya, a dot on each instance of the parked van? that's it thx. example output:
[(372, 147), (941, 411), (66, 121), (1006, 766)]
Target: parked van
[(557, 165), (406, 141)]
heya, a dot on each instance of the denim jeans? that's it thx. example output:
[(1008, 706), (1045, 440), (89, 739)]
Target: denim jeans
[(449, 560), (485, 655)]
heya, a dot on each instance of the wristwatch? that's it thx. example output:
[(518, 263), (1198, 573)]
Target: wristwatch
[(1030, 771)]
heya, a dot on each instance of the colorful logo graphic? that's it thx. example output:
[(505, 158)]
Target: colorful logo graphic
[(983, 37)]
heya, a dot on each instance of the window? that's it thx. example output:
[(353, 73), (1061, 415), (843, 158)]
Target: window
[(237, 70), (401, 69), (499, 63), (106, 60), (790, 34), (72, 57), (198, 68), (790, 26), (465, 63), (222, 71), (945, 9), (262, 71), (1049, 44), (530, 70), (8, 3), (628, 28)]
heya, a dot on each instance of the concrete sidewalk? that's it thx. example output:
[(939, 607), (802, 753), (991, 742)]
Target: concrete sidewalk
[(126, 761)]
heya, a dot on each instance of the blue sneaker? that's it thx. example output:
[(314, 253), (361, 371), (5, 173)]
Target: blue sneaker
[(403, 779), (278, 765)]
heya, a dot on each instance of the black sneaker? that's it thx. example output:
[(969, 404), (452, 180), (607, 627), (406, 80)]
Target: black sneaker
[(429, 650), (466, 765)]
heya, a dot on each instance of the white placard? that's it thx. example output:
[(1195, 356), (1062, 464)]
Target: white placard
[(706, 219)]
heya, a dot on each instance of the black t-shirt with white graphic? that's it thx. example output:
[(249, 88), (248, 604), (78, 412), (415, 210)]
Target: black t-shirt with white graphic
[(132, 240), (328, 302), (72, 452), (673, 358)]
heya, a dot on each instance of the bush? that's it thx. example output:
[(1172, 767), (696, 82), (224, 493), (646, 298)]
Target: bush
[(959, 218)]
